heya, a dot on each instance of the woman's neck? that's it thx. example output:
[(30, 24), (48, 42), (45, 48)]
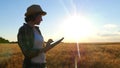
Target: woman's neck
[(31, 24)]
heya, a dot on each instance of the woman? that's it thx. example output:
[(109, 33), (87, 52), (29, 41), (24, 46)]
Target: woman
[(30, 39)]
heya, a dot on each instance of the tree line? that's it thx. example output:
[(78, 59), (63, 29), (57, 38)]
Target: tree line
[(3, 40)]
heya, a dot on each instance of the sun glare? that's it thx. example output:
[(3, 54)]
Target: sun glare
[(77, 27)]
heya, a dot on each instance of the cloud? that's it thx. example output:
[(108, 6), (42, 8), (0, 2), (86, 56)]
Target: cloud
[(109, 30), (110, 26), (109, 35), (104, 33)]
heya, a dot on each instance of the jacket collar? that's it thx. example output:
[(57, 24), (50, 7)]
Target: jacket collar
[(25, 24)]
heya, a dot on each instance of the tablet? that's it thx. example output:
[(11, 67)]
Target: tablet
[(56, 42)]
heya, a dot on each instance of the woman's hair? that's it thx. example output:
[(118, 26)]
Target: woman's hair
[(31, 17)]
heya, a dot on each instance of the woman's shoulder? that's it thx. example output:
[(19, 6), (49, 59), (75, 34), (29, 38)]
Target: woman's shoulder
[(25, 27)]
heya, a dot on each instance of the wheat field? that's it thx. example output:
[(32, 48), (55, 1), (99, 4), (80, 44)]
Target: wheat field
[(92, 55)]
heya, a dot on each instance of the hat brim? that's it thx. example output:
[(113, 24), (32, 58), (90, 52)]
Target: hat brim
[(43, 13)]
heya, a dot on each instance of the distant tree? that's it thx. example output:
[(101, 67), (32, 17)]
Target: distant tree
[(2, 40), (13, 42)]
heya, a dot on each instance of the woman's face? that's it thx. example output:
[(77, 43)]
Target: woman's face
[(38, 19)]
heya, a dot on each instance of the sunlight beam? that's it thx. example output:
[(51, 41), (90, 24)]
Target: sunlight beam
[(61, 1), (74, 6), (78, 50)]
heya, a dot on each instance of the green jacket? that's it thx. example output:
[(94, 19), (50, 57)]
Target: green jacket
[(26, 41)]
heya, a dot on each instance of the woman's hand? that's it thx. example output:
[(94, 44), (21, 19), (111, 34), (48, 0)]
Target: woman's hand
[(48, 42)]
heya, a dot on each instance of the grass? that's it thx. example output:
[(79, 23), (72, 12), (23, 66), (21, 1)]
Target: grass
[(63, 56)]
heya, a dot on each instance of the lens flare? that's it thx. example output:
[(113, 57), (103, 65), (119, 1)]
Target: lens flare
[(78, 50)]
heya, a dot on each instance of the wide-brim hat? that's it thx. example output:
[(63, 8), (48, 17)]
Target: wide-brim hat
[(33, 9)]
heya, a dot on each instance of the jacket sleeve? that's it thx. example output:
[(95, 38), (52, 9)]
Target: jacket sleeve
[(26, 44)]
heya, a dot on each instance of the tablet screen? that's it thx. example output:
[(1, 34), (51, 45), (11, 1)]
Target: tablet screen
[(57, 41)]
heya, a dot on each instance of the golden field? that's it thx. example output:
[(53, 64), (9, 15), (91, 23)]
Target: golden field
[(92, 55)]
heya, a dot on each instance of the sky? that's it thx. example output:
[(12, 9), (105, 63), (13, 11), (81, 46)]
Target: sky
[(75, 20)]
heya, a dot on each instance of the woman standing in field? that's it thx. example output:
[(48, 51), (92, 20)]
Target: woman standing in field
[(31, 40)]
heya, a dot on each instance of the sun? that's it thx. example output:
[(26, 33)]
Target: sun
[(77, 27)]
